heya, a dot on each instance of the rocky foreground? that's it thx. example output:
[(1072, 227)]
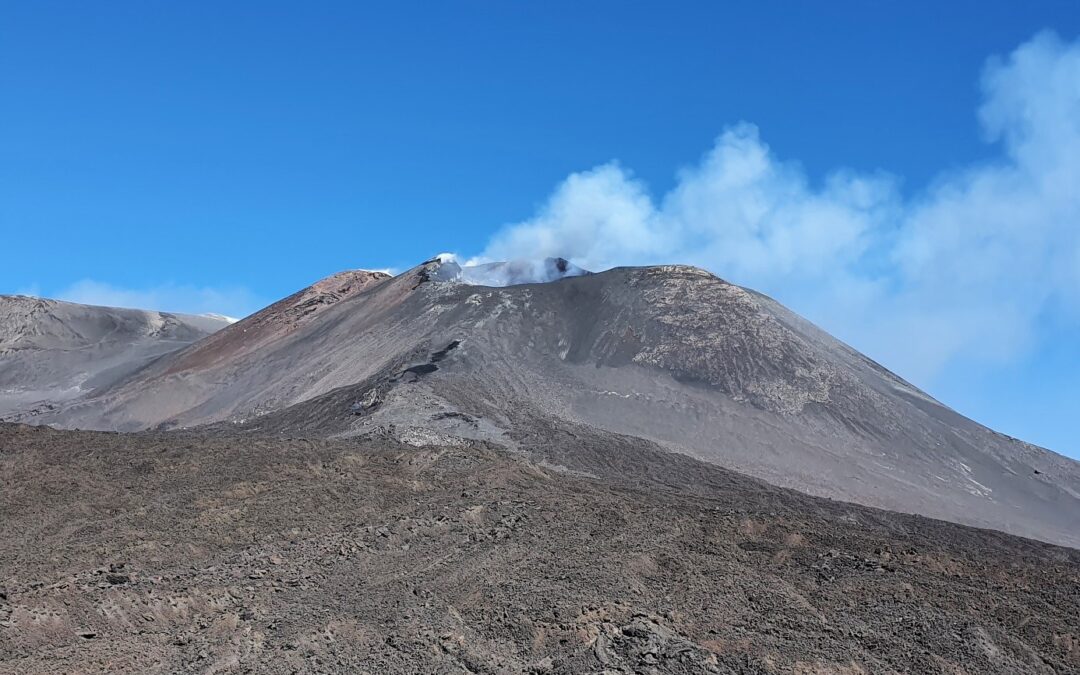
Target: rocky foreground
[(163, 553)]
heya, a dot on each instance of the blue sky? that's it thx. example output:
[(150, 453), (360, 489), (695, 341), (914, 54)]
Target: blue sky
[(216, 156)]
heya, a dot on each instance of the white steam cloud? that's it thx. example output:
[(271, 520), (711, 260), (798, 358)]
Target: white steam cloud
[(505, 273), (971, 267)]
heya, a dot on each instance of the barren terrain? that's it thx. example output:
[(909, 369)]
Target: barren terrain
[(186, 552), (52, 351), (672, 355)]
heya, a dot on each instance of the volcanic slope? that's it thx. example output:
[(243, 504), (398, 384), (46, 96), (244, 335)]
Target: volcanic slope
[(52, 351), (186, 552), (670, 354)]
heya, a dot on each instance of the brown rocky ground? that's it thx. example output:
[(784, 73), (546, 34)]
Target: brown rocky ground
[(176, 552)]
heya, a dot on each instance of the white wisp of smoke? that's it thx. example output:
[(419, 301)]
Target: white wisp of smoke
[(506, 273), (973, 262)]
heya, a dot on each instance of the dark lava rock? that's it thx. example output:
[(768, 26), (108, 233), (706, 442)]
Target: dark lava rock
[(386, 558)]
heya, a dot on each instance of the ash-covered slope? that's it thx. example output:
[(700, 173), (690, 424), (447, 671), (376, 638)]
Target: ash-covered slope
[(256, 365), (52, 351), (671, 354)]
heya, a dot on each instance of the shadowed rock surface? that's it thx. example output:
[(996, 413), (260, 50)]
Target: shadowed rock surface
[(188, 552), (53, 351), (672, 354)]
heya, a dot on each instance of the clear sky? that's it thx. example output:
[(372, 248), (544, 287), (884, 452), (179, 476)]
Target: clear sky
[(897, 171)]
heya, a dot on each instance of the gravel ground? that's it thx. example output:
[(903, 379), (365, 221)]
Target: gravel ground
[(170, 552)]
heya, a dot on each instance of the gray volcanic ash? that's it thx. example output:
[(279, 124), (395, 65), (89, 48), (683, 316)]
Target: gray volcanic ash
[(52, 351)]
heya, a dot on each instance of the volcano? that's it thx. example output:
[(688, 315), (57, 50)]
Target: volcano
[(514, 467), (671, 356)]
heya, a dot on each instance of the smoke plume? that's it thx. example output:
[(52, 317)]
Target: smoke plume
[(507, 273), (971, 266)]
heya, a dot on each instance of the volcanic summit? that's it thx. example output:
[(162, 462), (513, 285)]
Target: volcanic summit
[(672, 355)]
